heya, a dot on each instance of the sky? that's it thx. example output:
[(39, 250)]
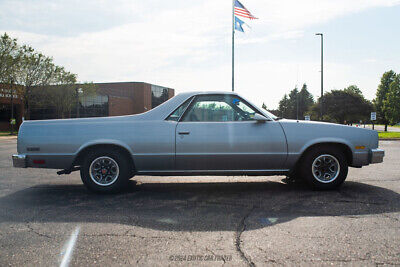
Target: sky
[(186, 45)]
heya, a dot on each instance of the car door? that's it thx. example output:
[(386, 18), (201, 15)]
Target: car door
[(217, 132)]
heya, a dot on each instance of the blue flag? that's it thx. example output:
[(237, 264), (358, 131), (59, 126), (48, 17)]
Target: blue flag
[(238, 24)]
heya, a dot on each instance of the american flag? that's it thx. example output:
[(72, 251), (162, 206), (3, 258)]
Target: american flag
[(241, 11)]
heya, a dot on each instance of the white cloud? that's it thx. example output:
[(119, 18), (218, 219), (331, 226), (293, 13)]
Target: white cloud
[(288, 35), (370, 60), (292, 14), (182, 44)]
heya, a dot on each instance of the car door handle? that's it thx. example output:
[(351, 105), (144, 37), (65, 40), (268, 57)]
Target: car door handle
[(184, 133)]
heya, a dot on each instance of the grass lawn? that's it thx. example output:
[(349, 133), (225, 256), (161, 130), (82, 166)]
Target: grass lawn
[(385, 135), (397, 126), (7, 133)]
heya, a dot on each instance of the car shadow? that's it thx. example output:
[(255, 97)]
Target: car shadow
[(194, 206)]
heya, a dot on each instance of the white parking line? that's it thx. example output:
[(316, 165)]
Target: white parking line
[(69, 247)]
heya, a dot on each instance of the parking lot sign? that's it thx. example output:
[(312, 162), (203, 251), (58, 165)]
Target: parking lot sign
[(373, 116)]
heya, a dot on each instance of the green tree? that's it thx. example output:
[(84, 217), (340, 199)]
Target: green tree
[(284, 107), (264, 106), (306, 100), (36, 70), (292, 112), (381, 95), (44, 83), (296, 104), (10, 58), (391, 105), (64, 94), (353, 89), (344, 106)]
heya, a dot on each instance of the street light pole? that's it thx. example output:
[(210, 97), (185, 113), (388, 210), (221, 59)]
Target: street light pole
[(322, 71)]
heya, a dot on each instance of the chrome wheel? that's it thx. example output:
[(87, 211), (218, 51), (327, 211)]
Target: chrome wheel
[(325, 168), (104, 171)]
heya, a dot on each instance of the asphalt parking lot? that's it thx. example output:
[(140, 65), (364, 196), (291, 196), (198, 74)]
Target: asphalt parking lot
[(46, 219)]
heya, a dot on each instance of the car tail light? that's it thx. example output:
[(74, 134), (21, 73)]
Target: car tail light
[(39, 161)]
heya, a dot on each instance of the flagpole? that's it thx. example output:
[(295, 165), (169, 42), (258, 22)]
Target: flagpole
[(233, 45)]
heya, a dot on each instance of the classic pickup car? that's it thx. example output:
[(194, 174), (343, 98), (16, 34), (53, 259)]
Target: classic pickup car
[(200, 133)]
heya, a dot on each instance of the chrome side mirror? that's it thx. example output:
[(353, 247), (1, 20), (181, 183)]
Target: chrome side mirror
[(260, 118)]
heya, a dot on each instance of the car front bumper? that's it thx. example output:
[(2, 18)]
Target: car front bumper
[(376, 155), (19, 161)]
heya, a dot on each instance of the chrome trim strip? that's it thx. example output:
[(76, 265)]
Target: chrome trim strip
[(229, 153)]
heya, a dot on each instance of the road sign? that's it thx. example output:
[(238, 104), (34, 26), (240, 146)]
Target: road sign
[(12, 121), (307, 118), (373, 116)]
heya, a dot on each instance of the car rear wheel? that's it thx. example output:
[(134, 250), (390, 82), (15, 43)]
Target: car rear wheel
[(324, 167), (105, 171)]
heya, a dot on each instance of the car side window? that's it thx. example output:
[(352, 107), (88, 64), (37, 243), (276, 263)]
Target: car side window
[(219, 108), (179, 111)]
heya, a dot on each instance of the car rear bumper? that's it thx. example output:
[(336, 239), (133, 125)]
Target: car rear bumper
[(19, 161), (376, 155)]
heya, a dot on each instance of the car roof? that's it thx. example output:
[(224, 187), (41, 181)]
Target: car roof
[(163, 110), (206, 93)]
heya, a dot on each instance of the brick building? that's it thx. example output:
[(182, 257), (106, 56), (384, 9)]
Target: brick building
[(111, 99), (133, 97), (6, 98)]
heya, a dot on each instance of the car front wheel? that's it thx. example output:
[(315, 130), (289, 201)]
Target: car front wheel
[(105, 171), (324, 167)]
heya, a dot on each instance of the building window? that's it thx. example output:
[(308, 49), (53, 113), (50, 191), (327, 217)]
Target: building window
[(5, 113), (93, 106), (43, 113), (89, 106), (159, 95)]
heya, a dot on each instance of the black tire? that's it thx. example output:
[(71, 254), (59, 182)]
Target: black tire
[(110, 157), (331, 157)]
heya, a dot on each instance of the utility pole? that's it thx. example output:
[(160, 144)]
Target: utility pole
[(322, 72)]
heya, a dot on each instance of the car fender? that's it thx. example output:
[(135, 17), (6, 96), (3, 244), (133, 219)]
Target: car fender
[(103, 142), (326, 140), (294, 156)]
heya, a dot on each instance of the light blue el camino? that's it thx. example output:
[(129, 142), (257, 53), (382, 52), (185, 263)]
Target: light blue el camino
[(200, 133)]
